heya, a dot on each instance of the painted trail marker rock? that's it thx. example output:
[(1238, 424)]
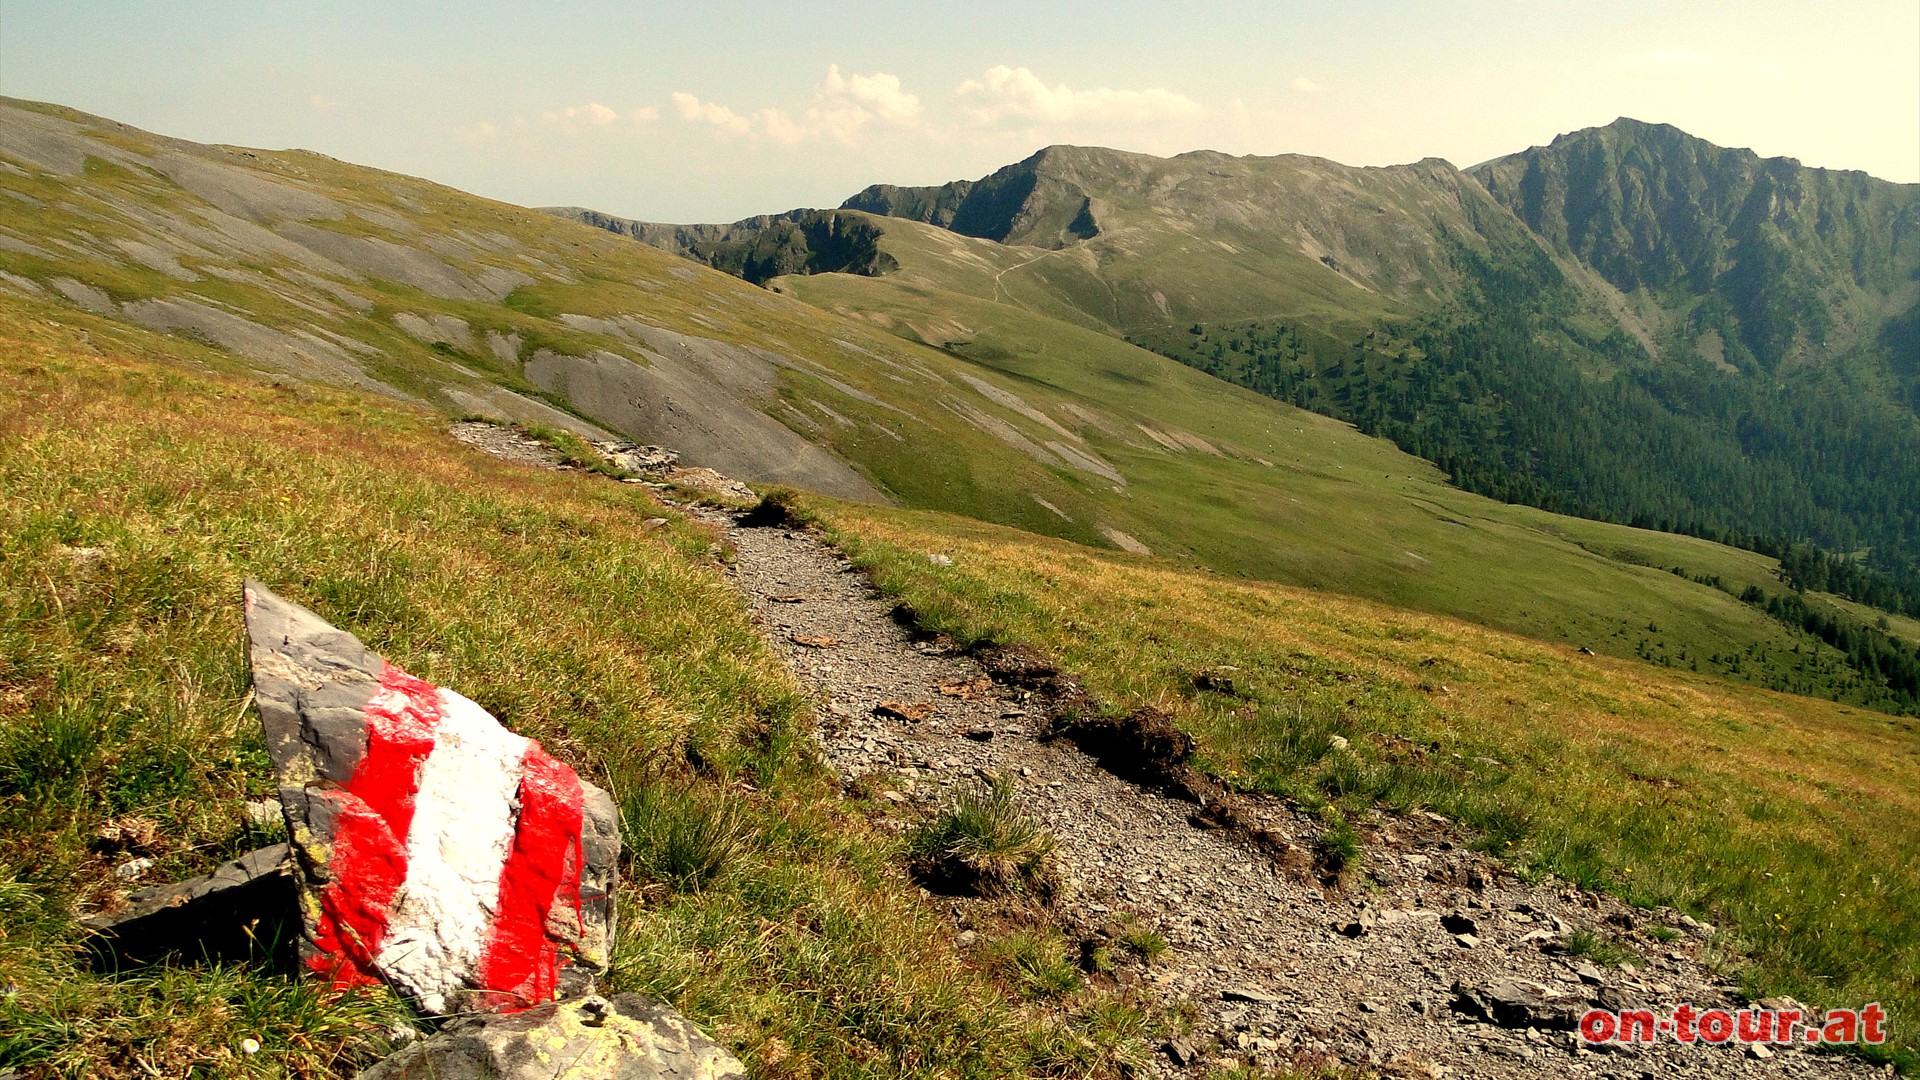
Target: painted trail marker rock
[(436, 850)]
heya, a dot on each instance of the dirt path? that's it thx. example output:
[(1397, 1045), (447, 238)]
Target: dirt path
[(1255, 947), (999, 289), (1385, 973)]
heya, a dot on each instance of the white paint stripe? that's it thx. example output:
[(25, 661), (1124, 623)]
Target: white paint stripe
[(463, 824)]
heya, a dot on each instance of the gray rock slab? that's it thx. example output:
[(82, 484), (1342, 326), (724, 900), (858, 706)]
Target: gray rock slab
[(1508, 1004), (244, 909), (703, 398), (627, 1038)]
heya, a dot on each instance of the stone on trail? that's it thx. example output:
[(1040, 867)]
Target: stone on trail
[(905, 712), (591, 1038), (435, 850), (1359, 926), (1506, 1003)]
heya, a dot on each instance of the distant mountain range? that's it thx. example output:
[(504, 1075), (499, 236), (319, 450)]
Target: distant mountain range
[(994, 378), (1629, 323)]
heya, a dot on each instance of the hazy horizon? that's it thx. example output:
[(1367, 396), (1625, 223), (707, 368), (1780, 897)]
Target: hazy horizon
[(744, 108)]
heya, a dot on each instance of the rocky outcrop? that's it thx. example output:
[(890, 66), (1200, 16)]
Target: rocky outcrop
[(1510, 1004), (1028, 202), (1786, 257), (233, 914), (759, 249), (932, 205)]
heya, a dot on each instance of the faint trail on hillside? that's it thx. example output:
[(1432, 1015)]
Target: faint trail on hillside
[(999, 289)]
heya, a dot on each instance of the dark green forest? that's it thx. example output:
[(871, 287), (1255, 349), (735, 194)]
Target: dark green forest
[(1507, 395)]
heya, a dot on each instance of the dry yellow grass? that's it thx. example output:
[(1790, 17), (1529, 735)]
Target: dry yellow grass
[(136, 491)]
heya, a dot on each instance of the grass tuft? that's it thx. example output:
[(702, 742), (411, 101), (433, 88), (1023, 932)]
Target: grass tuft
[(1036, 960), (574, 450), (1338, 848), (983, 845), (683, 836), (1141, 940), (1596, 947)]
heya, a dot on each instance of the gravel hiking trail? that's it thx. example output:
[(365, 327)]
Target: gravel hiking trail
[(1426, 959), (1261, 947)]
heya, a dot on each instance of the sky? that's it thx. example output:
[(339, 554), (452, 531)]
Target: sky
[(713, 110)]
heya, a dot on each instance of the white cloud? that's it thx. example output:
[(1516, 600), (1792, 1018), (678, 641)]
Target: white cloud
[(843, 107), (579, 117), (693, 110), (880, 93), (576, 119), (1306, 85), (1005, 93), (851, 110)]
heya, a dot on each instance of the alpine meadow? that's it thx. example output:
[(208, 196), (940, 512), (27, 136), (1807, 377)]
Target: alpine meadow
[(1117, 616)]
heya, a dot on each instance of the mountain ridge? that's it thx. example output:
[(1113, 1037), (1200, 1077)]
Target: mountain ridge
[(1652, 208), (1753, 315), (916, 386)]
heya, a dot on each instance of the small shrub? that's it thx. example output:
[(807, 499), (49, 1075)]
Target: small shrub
[(982, 845), (778, 508)]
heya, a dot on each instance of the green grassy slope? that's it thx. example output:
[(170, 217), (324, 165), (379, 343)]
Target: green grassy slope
[(1270, 491), (339, 273), (347, 275), (144, 481), (1756, 261), (1789, 823), (1631, 324), (1210, 237)]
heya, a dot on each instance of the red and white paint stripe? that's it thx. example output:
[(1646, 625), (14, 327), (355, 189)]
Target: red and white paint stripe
[(456, 856)]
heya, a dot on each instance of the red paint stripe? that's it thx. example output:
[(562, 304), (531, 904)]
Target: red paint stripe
[(368, 861), (539, 888)]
